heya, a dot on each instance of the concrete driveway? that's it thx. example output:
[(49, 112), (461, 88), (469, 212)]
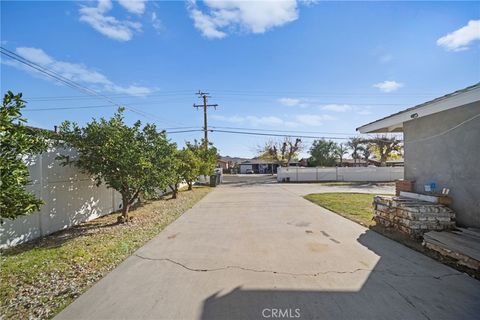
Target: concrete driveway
[(260, 251), (306, 188)]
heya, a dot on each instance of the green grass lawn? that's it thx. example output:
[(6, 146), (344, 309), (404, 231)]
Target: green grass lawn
[(354, 206), (353, 183), (337, 183), (39, 279)]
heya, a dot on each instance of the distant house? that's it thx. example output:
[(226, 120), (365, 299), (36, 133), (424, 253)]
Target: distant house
[(303, 162), (229, 164), (442, 147), (370, 162), (225, 165), (258, 166)]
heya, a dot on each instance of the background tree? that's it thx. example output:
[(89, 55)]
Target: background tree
[(16, 142), (185, 167), (355, 145), (323, 153), (130, 160), (365, 153), (340, 151), (385, 148), (176, 176), (207, 156), (191, 167), (283, 151)]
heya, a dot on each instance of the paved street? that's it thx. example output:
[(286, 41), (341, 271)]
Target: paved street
[(257, 250)]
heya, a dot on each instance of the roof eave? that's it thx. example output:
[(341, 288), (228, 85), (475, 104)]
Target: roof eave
[(394, 123)]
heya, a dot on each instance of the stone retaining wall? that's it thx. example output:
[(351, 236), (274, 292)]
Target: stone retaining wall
[(411, 216)]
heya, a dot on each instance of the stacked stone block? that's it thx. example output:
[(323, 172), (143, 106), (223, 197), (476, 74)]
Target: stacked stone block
[(411, 216), (404, 185)]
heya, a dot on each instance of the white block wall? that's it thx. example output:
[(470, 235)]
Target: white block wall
[(374, 174), (70, 198)]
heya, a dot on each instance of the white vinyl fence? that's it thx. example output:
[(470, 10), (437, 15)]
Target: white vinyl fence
[(301, 174), (70, 198)]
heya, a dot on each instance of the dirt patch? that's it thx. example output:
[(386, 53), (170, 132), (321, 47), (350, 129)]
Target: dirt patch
[(317, 247)]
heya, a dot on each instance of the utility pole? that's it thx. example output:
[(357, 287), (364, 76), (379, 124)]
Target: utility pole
[(204, 95)]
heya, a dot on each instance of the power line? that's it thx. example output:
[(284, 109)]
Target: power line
[(279, 135), (275, 130), (70, 83), (183, 131), (316, 93), (275, 134), (62, 98), (186, 92), (68, 108), (52, 74)]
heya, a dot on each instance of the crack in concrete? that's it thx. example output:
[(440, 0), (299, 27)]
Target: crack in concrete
[(404, 297), (292, 273)]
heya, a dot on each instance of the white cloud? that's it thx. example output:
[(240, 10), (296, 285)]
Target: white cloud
[(35, 55), (121, 30), (230, 119), (206, 25), (290, 102), (156, 22), (75, 72), (309, 2), (388, 86), (312, 119), (337, 107), (264, 121), (364, 112), (220, 16), (132, 90), (133, 6), (294, 102), (361, 110), (274, 121), (459, 39), (252, 120)]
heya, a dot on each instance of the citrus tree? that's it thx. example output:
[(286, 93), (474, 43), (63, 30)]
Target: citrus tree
[(190, 169), (186, 167), (17, 142), (128, 159), (206, 154)]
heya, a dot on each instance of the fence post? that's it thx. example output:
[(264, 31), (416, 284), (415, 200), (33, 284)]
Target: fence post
[(113, 200), (43, 196), (316, 174), (336, 173), (297, 175)]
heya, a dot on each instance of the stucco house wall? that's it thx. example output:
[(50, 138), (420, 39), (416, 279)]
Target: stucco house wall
[(452, 160), (244, 168)]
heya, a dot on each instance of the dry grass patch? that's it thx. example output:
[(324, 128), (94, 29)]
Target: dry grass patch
[(41, 278)]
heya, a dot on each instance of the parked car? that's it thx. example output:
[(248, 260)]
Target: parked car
[(249, 171)]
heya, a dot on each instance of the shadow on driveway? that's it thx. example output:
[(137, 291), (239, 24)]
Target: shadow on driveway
[(384, 295)]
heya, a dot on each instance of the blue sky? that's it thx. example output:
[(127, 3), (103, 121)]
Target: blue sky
[(326, 67)]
